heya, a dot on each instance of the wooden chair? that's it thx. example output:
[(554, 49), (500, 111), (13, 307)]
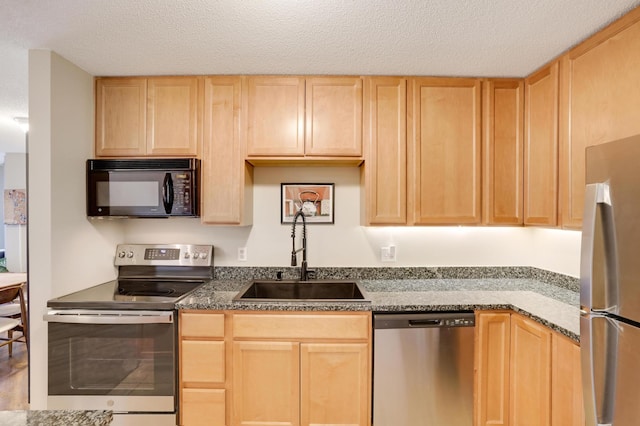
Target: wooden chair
[(13, 316)]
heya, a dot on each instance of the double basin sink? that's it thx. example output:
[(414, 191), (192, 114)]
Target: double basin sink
[(346, 291)]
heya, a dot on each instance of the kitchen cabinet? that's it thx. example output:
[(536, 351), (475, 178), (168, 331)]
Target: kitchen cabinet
[(445, 162), (227, 181), (318, 117), (155, 116), (541, 147), (493, 334), (600, 98), (530, 373), (567, 406), (526, 374), (503, 114), (203, 377), (301, 368), (385, 166)]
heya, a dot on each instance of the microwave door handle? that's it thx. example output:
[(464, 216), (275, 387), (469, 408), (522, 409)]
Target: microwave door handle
[(167, 193)]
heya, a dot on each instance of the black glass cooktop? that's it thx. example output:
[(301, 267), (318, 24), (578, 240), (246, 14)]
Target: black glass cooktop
[(128, 294)]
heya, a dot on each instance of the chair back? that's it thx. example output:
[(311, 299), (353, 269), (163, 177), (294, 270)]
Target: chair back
[(10, 293)]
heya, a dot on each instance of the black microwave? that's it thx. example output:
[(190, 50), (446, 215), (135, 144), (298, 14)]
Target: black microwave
[(152, 187)]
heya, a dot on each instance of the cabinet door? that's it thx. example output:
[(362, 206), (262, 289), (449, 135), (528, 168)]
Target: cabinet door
[(541, 148), (530, 376), (266, 383), (172, 116), (203, 407), (202, 361), (600, 103), (446, 162), (333, 116), (335, 387), (226, 179), (567, 407), (121, 105), (385, 164), (503, 129), (275, 116), (492, 368)]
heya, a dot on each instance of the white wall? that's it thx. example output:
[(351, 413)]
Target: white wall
[(66, 252), (346, 243), (15, 177)]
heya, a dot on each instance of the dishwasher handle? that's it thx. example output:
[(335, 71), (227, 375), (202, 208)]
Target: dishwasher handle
[(423, 320)]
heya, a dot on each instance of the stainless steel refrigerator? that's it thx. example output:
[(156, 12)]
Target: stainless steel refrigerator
[(610, 284)]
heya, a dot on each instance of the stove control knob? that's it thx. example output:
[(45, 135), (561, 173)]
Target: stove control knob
[(203, 255), (196, 255), (187, 255), (130, 254), (121, 254)]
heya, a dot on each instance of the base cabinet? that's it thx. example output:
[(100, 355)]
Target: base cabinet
[(265, 368), (526, 374), (305, 369)]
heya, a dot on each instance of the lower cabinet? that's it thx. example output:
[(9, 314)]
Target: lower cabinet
[(526, 373), (286, 369)]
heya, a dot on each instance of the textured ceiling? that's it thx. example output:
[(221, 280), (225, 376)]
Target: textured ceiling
[(382, 37)]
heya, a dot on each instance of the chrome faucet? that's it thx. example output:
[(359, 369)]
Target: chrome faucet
[(304, 272)]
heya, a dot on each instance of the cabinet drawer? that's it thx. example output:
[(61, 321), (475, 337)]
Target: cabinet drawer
[(201, 325), (202, 361), (301, 326), (203, 407)]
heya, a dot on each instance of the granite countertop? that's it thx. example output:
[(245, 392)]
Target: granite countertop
[(55, 418), (553, 305)]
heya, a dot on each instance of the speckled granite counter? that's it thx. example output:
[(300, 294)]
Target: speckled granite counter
[(55, 418), (554, 305)]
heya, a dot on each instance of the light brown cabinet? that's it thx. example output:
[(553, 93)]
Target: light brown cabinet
[(567, 405), (530, 373), (600, 98), (155, 116), (301, 369), (203, 377), (503, 114), (227, 181), (445, 156), (303, 117), (526, 374), (385, 166), (541, 147)]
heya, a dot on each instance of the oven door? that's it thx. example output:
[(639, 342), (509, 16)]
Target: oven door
[(122, 361)]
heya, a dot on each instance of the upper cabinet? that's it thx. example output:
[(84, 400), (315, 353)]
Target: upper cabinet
[(541, 147), (503, 161), (147, 117), (445, 162), (385, 165), (304, 117), (226, 178), (600, 100)]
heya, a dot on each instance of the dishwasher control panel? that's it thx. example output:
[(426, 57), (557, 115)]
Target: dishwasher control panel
[(424, 320)]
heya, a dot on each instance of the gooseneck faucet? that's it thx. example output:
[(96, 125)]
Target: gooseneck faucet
[(294, 253)]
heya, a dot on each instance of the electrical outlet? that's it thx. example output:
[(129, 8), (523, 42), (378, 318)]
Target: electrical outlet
[(388, 254), (242, 254)]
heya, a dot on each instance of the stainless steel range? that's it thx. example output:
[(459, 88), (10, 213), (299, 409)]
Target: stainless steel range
[(114, 346)]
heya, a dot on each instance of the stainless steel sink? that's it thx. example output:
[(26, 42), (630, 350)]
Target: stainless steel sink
[(302, 291)]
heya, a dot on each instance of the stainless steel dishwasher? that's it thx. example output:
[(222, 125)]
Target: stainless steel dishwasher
[(423, 369)]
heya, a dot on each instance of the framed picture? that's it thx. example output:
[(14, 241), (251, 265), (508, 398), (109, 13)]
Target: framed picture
[(314, 199)]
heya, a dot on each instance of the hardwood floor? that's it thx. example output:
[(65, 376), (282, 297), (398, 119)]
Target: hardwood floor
[(14, 378)]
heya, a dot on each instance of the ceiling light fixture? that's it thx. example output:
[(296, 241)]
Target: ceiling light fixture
[(23, 122)]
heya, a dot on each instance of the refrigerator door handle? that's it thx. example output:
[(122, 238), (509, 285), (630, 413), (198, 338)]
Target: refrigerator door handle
[(598, 377), (595, 193)]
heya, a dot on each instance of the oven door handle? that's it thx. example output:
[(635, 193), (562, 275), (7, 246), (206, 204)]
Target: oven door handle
[(109, 317)]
